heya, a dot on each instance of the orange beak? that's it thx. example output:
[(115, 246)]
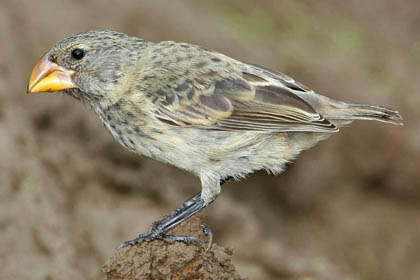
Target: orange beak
[(47, 76)]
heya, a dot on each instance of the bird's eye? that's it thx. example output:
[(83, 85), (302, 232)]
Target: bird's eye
[(78, 54)]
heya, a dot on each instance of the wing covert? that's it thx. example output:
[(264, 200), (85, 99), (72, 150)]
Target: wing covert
[(251, 98)]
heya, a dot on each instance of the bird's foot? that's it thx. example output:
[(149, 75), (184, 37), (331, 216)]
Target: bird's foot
[(155, 234), (159, 228), (192, 239)]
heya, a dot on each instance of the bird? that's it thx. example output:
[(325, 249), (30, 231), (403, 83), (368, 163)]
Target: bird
[(194, 108)]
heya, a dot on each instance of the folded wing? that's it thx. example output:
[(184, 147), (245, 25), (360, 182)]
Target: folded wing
[(253, 99)]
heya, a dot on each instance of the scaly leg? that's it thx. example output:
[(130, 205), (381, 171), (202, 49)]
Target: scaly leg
[(159, 228)]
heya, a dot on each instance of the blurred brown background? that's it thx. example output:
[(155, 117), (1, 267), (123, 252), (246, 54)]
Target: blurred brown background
[(347, 209)]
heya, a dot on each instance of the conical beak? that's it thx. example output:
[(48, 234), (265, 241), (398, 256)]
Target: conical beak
[(47, 76)]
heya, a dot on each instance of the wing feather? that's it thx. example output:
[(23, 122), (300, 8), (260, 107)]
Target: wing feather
[(254, 99)]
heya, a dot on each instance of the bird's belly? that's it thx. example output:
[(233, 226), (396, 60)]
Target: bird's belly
[(225, 153), (222, 153)]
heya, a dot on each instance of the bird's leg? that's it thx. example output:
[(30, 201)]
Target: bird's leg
[(159, 228), (176, 212)]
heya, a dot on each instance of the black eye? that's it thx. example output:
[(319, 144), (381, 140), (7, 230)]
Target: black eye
[(78, 54)]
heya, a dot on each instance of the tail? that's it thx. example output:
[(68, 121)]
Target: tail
[(356, 111)]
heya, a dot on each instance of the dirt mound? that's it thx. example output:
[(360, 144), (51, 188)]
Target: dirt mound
[(162, 260)]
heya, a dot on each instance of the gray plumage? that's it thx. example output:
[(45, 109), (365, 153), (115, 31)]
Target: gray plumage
[(201, 110)]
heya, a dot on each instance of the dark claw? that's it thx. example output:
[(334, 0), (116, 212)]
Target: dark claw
[(207, 232)]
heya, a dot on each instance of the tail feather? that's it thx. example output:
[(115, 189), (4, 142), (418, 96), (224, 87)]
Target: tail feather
[(356, 111)]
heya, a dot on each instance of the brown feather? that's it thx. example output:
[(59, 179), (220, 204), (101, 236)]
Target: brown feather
[(248, 100)]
